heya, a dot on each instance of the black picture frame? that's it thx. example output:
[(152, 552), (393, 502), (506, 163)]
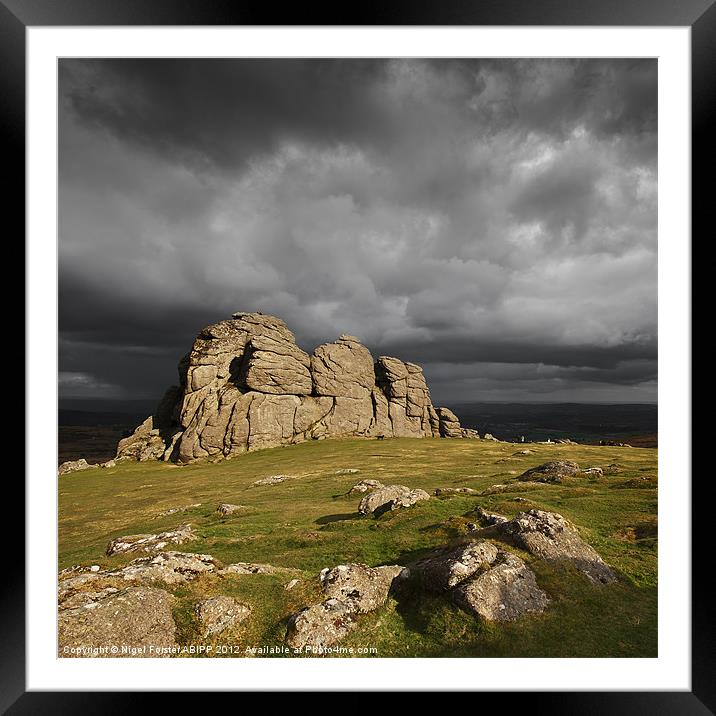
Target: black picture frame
[(699, 15)]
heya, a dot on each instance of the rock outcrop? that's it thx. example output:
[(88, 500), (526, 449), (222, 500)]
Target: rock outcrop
[(245, 385), (549, 536), (483, 579), (552, 472)]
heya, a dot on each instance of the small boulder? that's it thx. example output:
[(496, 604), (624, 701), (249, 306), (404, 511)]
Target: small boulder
[(347, 471), (272, 480), (150, 543), (227, 509), (74, 466), (594, 471), (220, 613), (390, 497), (553, 472), (505, 591), (447, 491)]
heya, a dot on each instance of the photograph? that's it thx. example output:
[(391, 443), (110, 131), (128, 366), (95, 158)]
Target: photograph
[(357, 357)]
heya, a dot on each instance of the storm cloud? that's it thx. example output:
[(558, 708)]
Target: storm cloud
[(494, 220)]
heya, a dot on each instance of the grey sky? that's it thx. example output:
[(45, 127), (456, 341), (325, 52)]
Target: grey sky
[(493, 220)]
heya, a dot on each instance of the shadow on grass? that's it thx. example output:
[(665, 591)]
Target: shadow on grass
[(342, 517)]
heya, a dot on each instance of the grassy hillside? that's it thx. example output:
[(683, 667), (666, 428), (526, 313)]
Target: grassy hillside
[(308, 523)]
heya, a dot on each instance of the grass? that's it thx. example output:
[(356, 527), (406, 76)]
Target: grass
[(309, 523)]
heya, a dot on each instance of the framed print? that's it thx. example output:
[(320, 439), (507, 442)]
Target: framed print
[(356, 339)]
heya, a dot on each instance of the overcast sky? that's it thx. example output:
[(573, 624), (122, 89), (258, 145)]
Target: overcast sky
[(492, 220)]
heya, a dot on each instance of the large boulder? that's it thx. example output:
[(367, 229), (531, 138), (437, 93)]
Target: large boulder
[(549, 536), (449, 424), (351, 589), (505, 591), (364, 588), (446, 567), (246, 385), (320, 625), (133, 622)]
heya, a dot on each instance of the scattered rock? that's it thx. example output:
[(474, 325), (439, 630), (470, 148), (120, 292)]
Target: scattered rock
[(347, 471), (272, 480), (503, 592), (594, 471), (549, 536), (526, 451), (490, 436), (447, 491), (227, 509), (519, 499), (150, 543), (361, 587), (446, 567), (390, 497), (512, 487), (109, 464), (220, 613), (137, 620), (290, 585), (74, 466), (552, 472), (365, 486), (175, 510)]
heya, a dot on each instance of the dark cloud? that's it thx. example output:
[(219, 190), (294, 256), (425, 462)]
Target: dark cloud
[(492, 219)]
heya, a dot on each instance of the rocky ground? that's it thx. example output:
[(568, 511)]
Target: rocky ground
[(391, 548)]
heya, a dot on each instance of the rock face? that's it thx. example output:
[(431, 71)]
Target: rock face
[(552, 471), (137, 618), (245, 385), (549, 536), (390, 497)]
